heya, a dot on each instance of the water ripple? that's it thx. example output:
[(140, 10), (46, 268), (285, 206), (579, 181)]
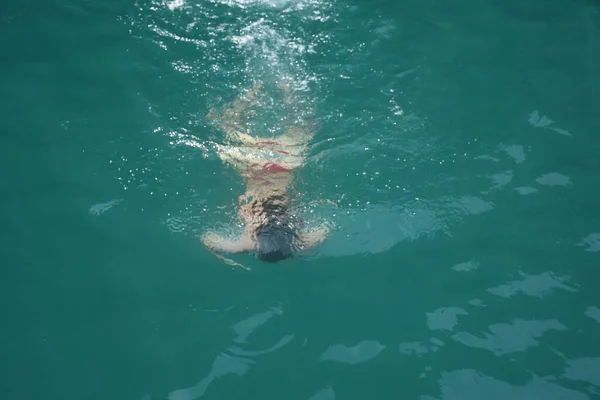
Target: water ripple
[(509, 338), (532, 285), (363, 351), (472, 385)]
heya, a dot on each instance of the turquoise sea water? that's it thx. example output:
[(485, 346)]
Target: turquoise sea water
[(459, 141)]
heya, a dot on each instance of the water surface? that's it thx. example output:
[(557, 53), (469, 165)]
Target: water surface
[(459, 142)]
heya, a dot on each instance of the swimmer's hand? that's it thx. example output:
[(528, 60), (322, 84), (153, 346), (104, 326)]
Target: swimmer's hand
[(218, 243), (315, 238)]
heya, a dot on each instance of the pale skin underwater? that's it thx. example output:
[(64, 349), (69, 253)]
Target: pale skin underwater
[(267, 167)]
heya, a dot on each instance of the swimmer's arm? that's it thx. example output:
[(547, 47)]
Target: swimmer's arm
[(315, 238), (218, 243), (232, 120)]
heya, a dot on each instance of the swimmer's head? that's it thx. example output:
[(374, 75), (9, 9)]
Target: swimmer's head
[(275, 240)]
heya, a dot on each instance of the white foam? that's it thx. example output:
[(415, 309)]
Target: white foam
[(279, 4), (175, 4)]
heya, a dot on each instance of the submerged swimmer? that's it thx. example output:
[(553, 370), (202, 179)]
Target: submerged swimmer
[(267, 166)]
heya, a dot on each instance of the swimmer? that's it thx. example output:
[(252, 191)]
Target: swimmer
[(267, 167)]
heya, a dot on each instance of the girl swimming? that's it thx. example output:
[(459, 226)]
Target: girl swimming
[(267, 166)]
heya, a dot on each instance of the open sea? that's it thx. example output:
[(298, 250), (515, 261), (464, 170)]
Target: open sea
[(457, 153)]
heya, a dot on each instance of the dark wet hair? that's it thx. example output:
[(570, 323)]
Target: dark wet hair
[(276, 236)]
